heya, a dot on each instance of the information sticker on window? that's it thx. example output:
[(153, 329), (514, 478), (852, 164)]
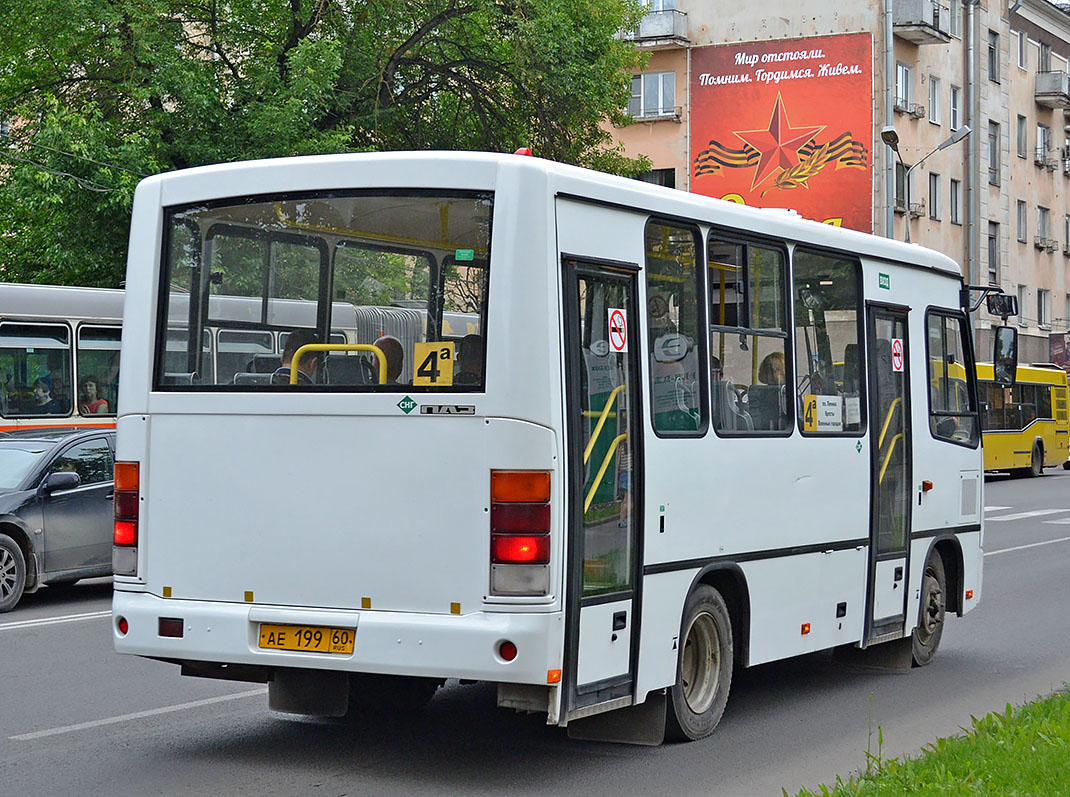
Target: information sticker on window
[(433, 363), (618, 330)]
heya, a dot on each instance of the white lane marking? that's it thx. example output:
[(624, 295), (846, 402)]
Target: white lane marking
[(1023, 547), (1021, 515), (67, 618), (995, 508), (1062, 520), (81, 726)]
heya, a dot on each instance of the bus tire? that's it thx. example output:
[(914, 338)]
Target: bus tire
[(926, 637), (704, 667), (1036, 461), (12, 573)]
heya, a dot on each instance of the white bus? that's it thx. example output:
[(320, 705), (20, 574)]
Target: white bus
[(678, 436), (59, 355)]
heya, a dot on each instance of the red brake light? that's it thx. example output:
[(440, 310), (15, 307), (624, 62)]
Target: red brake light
[(125, 533), (514, 549)]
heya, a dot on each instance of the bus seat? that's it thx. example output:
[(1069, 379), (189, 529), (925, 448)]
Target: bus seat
[(262, 364), (727, 414), (767, 405), (248, 378), (179, 379), (346, 369), (851, 374)]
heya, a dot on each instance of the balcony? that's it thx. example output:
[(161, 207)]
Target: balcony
[(1043, 157), (1052, 89), (659, 114), (912, 109), (659, 29), (1045, 244), (921, 21)]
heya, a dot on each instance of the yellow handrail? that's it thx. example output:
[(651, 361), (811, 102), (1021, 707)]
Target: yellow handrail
[(602, 470), (887, 421), (601, 422), (887, 457), (338, 347)]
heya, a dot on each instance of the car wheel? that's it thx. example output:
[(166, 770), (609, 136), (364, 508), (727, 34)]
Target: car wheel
[(12, 573), (926, 637), (704, 671)]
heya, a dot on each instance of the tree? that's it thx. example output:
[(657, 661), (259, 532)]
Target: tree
[(98, 92)]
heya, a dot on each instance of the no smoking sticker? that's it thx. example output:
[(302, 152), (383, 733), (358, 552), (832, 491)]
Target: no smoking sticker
[(897, 355), (618, 330)]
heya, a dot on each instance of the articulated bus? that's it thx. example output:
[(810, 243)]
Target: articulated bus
[(59, 355), (640, 467), (1026, 427)]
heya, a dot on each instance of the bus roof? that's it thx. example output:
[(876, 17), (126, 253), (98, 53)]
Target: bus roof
[(60, 302), (483, 170), (1042, 373)]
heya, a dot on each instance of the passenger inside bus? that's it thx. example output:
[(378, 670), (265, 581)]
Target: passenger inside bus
[(395, 357), (306, 368), (90, 402), (43, 402), (470, 356)]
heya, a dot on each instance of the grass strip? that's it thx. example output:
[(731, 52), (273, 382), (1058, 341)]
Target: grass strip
[(1020, 751)]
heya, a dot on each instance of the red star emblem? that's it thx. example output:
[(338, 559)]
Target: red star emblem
[(779, 145)]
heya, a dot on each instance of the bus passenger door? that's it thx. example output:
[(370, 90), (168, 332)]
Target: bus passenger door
[(890, 473), (601, 342)]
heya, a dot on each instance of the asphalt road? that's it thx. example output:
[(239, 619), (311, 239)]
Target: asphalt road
[(76, 719)]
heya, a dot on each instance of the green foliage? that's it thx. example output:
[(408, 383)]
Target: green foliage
[(1020, 751), (154, 85)]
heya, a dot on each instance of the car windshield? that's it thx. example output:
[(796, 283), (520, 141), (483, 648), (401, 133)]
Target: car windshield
[(15, 463)]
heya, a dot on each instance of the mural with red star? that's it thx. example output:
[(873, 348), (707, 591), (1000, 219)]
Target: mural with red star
[(787, 124)]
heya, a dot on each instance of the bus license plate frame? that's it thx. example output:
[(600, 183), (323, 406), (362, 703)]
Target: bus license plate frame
[(302, 638)]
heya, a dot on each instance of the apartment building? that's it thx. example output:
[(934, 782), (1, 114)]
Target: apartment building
[(750, 104)]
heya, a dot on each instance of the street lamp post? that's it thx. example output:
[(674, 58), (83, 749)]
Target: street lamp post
[(891, 138)]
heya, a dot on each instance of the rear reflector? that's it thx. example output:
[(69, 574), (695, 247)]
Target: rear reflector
[(520, 548), (520, 486), (513, 518), (171, 626), (125, 505), (507, 650), (122, 625)]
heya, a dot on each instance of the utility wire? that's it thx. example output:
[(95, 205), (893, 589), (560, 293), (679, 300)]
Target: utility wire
[(82, 182), (29, 143)]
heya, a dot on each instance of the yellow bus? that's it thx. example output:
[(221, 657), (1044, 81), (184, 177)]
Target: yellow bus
[(1026, 427)]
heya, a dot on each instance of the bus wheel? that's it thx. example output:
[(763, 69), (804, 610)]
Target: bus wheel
[(1036, 461), (704, 671), (12, 573), (926, 637)]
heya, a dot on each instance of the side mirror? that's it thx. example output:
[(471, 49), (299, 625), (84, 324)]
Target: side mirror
[(1002, 304), (1005, 356), (60, 480)]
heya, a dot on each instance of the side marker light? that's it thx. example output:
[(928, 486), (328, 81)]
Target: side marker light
[(926, 486), (805, 629), (553, 676), (969, 594)]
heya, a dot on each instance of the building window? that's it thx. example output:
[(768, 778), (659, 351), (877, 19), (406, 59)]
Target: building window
[(1043, 308), (934, 100), (993, 56), (901, 185), (653, 94), (993, 253), (1066, 310), (1066, 238), (1021, 305), (1044, 62), (904, 85), (658, 5), (1023, 52), (993, 153), (1043, 223), (956, 101), (1020, 220), (934, 195), (956, 21), (1020, 137), (665, 177), (955, 201), (1044, 142)]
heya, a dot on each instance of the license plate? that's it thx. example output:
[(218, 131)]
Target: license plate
[(307, 638)]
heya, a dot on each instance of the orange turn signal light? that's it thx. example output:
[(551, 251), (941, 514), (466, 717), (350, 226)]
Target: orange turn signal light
[(553, 676), (126, 476), (926, 486), (805, 629), (969, 594), (520, 486)]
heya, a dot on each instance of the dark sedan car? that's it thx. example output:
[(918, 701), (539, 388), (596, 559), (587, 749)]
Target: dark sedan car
[(56, 516)]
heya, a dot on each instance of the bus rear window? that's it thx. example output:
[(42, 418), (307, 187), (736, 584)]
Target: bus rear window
[(396, 280)]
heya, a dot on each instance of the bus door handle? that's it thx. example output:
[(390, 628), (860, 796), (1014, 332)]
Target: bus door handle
[(620, 621), (899, 574)]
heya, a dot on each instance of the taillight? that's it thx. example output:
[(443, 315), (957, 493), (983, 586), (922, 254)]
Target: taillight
[(127, 487), (520, 532)]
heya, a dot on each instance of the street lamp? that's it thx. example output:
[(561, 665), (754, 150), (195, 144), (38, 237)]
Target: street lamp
[(891, 138)]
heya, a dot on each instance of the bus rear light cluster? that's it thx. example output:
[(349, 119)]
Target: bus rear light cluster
[(127, 497), (520, 532)]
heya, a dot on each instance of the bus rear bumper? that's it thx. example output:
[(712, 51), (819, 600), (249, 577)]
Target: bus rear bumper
[(395, 643)]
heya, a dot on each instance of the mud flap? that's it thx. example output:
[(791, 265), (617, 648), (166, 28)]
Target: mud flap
[(316, 693), (894, 655), (642, 724)]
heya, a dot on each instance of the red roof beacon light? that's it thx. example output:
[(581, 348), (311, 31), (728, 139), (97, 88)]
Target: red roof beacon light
[(523, 151)]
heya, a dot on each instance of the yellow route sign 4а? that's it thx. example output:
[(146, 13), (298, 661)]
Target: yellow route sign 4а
[(433, 363)]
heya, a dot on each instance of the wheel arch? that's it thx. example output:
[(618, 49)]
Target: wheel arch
[(14, 529), (949, 549), (728, 579)]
